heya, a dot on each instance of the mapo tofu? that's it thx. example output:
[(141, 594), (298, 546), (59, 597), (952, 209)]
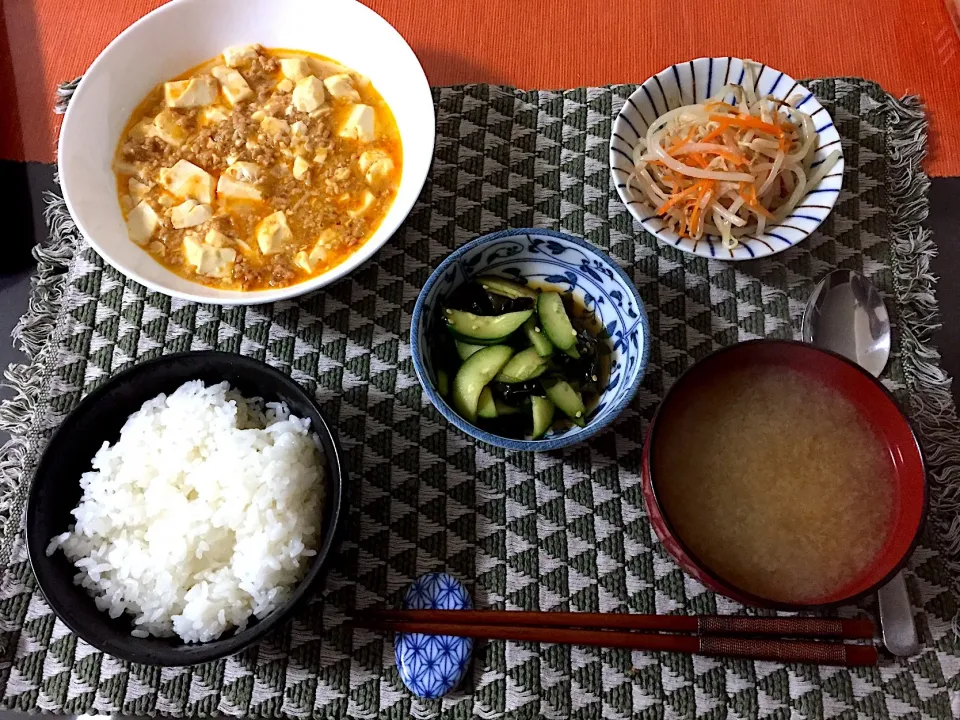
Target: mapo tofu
[(258, 169)]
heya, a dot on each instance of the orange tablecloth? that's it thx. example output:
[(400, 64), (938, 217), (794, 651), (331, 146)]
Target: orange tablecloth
[(908, 46)]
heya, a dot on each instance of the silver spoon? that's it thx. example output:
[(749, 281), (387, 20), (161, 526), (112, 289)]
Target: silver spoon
[(846, 314)]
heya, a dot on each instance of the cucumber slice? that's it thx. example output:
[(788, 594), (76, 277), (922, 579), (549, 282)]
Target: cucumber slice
[(486, 407), (443, 383), (484, 329), (567, 399), (525, 365), (542, 415), (507, 288), (504, 409), (573, 352), (536, 337), (479, 369), (465, 350), (554, 320)]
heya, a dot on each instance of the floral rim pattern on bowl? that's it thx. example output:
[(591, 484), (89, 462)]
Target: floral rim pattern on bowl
[(568, 264)]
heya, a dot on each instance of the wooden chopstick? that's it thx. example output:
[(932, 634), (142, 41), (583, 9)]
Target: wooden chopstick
[(799, 651), (847, 629), (556, 631)]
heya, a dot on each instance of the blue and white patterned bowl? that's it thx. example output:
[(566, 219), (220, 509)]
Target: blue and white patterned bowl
[(568, 264), (694, 82)]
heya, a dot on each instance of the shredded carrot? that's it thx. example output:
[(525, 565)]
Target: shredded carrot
[(695, 213), (751, 201), (748, 122), (687, 199), (680, 143), (733, 157), (715, 133), (677, 197)]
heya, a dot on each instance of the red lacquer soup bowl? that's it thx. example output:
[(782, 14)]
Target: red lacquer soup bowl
[(875, 406)]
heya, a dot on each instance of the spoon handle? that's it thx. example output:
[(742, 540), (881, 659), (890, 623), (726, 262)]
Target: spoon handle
[(896, 618)]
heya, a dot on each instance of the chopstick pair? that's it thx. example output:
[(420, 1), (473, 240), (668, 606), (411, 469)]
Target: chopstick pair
[(754, 638)]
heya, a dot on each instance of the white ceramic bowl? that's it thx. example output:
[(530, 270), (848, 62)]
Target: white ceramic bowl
[(696, 81), (183, 33)]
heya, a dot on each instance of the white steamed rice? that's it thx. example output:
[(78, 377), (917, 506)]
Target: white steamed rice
[(204, 513)]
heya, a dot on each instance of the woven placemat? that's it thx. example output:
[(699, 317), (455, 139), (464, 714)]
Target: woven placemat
[(562, 530)]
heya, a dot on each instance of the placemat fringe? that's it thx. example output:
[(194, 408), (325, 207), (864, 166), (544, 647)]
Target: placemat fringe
[(33, 333), (931, 402), (64, 92)]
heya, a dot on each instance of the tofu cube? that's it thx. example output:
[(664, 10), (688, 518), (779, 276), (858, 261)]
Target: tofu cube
[(300, 168), (213, 115), (137, 189), (368, 199), (359, 124), (126, 168), (299, 128), (194, 92), (318, 253), (341, 88), (143, 129), (186, 180), (295, 68), (274, 126), (308, 94), (166, 128), (209, 261), (142, 222), (228, 188), (215, 238), (376, 167), (237, 55), (232, 83), (189, 213), (244, 171), (285, 85), (326, 68), (273, 233)]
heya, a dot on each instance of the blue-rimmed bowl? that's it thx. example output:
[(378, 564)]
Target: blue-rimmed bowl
[(695, 82), (569, 265)]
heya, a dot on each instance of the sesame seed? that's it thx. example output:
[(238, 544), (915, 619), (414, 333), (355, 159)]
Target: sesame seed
[(579, 413), (448, 311), (593, 377), (573, 332), (536, 329), (474, 327)]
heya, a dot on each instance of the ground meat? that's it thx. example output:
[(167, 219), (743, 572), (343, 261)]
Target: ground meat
[(260, 75), (262, 153), (222, 223), (281, 273), (144, 149), (208, 149), (324, 198), (186, 118)]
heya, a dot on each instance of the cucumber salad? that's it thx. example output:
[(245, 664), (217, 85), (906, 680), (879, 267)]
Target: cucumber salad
[(518, 361)]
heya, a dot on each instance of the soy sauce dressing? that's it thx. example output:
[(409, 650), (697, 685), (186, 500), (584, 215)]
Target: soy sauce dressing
[(590, 374)]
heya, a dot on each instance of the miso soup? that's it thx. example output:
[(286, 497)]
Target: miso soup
[(775, 483)]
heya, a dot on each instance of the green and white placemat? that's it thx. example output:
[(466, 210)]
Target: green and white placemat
[(554, 531)]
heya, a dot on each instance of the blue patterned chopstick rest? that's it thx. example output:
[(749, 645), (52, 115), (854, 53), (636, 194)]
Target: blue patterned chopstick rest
[(433, 665)]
